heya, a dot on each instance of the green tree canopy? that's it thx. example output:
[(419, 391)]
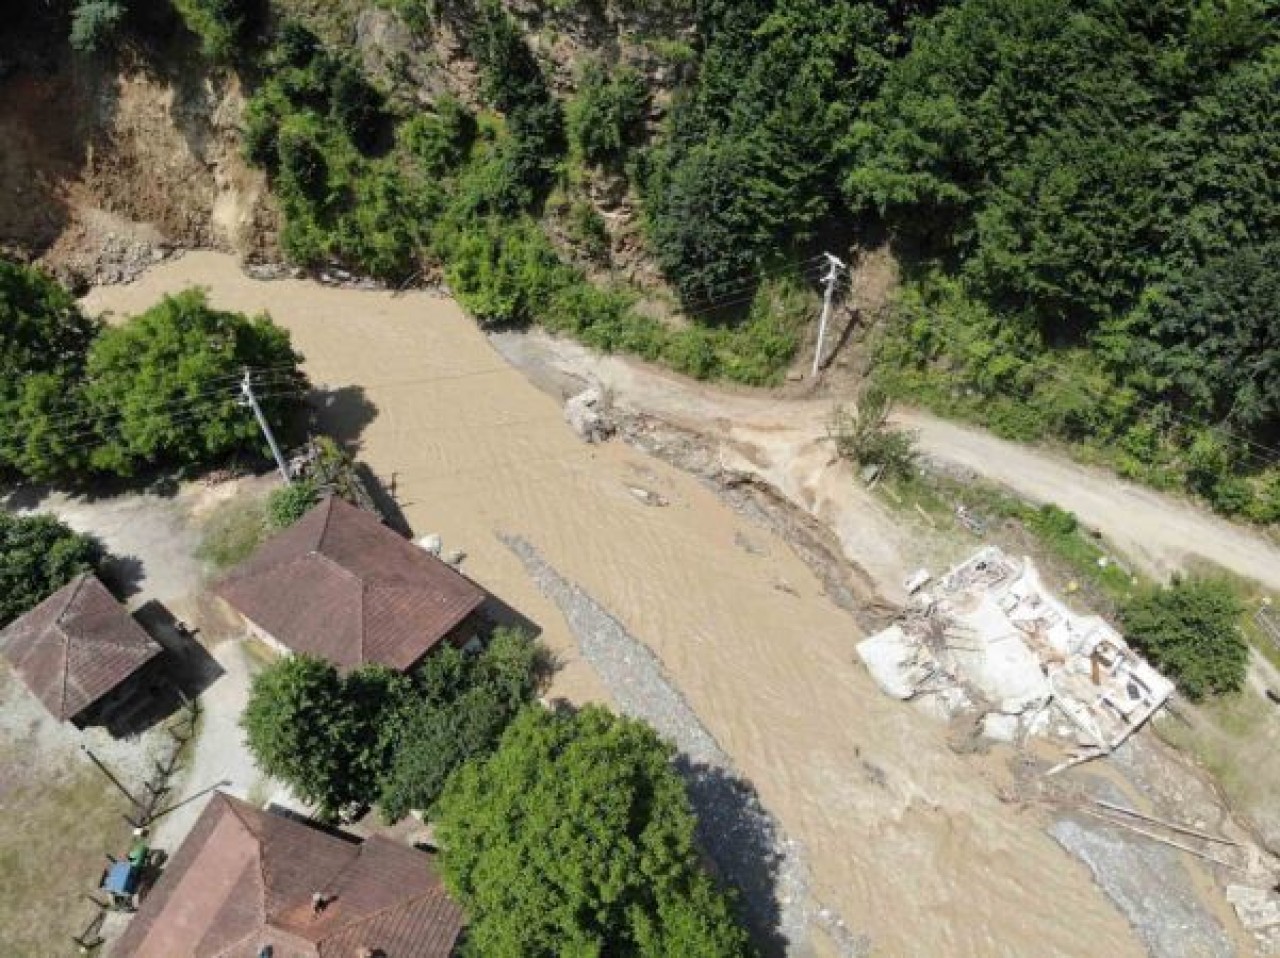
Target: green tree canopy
[(576, 839), (44, 340), (38, 556), (317, 732), (462, 704), (376, 735), (1190, 629), (162, 388)]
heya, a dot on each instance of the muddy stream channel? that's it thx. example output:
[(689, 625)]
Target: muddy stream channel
[(849, 823)]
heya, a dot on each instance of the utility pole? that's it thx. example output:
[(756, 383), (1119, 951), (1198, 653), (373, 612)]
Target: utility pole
[(834, 266), (247, 398)]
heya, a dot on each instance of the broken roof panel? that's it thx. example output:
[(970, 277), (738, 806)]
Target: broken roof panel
[(76, 646), (340, 585)]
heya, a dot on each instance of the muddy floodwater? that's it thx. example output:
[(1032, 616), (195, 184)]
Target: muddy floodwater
[(903, 838)]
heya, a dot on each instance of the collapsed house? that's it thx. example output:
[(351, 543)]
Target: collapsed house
[(989, 637)]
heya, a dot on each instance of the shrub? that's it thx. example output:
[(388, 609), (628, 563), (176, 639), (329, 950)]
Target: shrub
[(38, 556), (288, 504), (94, 24), (867, 439), (1190, 630), (220, 24), (607, 115)]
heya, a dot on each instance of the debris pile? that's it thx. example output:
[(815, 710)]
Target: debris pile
[(990, 637), (588, 414)]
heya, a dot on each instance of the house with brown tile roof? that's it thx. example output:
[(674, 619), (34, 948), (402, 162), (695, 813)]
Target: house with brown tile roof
[(247, 882), (340, 585), (76, 648)]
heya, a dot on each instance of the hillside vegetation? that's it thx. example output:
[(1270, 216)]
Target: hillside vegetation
[(1082, 193)]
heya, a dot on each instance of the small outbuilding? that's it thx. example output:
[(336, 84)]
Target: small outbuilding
[(77, 649), (248, 882), (340, 585)]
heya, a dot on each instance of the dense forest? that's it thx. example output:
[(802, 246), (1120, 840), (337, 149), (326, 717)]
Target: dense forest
[(1083, 195)]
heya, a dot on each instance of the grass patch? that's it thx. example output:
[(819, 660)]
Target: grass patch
[(232, 531)]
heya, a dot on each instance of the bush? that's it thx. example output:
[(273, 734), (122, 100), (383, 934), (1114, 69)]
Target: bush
[(607, 115), (94, 24), (1190, 630), (576, 837), (288, 504), (867, 439), (220, 24), (38, 556)]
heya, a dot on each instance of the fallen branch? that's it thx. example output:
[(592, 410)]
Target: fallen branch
[(1169, 825), (1145, 833)]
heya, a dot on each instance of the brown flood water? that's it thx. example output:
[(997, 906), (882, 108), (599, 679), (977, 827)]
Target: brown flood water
[(905, 839)]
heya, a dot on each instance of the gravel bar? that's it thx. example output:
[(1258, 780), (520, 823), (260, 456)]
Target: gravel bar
[(741, 837)]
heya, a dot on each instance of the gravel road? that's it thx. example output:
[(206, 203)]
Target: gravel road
[(1159, 531)]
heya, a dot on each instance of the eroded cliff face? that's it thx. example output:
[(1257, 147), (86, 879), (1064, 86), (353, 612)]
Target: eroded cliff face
[(110, 163)]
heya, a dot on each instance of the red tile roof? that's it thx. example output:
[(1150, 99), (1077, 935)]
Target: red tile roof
[(76, 646), (244, 878), (340, 585)]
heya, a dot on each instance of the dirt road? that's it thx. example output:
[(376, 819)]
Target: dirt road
[(780, 439), (903, 837)]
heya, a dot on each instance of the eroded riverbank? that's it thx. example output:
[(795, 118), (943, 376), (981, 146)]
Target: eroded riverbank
[(905, 839)]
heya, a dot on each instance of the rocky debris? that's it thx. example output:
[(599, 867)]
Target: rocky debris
[(1150, 886), (431, 543), (648, 496), (737, 832), (1259, 912), (587, 413)]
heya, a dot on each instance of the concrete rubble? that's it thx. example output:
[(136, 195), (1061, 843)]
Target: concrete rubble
[(587, 414), (990, 637)]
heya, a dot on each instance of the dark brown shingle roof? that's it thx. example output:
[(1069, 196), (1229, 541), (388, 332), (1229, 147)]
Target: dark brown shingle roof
[(244, 879), (76, 646), (340, 585)]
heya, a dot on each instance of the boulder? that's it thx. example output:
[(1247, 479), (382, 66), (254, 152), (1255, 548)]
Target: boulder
[(587, 414)]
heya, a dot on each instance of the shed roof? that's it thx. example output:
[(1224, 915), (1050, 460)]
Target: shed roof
[(340, 585), (244, 879), (76, 646)]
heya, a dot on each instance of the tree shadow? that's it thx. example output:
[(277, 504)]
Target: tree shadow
[(742, 841), (123, 575), (343, 414), (181, 673)]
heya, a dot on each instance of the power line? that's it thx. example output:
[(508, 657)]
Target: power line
[(81, 418)]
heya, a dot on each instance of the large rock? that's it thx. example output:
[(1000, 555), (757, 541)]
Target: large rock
[(588, 414)]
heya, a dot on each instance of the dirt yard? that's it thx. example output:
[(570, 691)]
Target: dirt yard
[(59, 814)]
